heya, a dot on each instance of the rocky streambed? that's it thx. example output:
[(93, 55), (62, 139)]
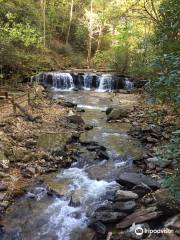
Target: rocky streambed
[(87, 173)]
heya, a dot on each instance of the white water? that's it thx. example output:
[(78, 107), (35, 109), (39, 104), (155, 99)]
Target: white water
[(62, 81), (87, 81), (128, 84), (64, 219), (106, 83)]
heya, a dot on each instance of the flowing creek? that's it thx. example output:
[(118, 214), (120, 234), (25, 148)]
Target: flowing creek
[(39, 216)]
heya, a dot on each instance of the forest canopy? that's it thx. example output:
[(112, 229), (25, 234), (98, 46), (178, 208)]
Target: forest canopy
[(137, 37)]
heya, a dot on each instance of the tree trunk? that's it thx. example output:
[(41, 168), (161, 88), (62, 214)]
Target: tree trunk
[(70, 22), (44, 22), (90, 37), (99, 39)]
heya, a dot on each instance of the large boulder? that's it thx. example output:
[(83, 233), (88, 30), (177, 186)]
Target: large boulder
[(117, 113), (131, 179)]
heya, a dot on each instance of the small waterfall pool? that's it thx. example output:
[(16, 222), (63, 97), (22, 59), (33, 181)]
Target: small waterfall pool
[(81, 188)]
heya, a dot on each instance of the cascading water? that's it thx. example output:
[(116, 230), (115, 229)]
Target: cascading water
[(128, 84), (61, 81), (106, 83), (88, 81)]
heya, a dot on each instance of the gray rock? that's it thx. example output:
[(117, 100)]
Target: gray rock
[(139, 216), (76, 119), (132, 179), (125, 195), (124, 206), (141, 189), (118, 113), (88, 127), (108, 217)]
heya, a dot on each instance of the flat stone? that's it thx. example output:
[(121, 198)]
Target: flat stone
[(139, 216), (108, 217), (124, 206), (125, 195), (132, 179)]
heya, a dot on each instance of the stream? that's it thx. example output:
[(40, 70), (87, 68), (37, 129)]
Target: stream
[(40, 216)]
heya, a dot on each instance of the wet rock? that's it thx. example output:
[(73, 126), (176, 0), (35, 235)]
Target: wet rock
[(88, 143), (96, 148), (75, 200), (67, 104), (76, 119), (125, 195), (141, 189), (132, 179), (166, 202), (78, 109), (139, 216), (118, 113), (98, 227), (88, 127), (102, 154), (108, 217), (108, 110)]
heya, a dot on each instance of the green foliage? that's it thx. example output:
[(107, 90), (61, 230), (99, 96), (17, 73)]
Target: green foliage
[(165, 86), (167, 30), (172, 183), (170, 153)]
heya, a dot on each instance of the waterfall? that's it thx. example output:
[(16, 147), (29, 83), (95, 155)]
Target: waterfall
[(106, 83), (61, 81), (128, 84), (88, 79)]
